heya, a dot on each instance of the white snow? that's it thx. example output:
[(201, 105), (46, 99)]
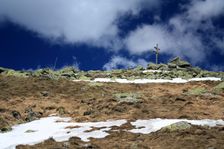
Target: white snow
[(54, 127), (61, 129), (144, 81), (205, 79), (153, 125)]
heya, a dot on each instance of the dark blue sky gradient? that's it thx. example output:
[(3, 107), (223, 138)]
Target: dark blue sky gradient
[(22, 49)]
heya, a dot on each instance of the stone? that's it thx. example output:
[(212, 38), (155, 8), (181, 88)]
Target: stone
[(30, 131), (177, 126), (180, 63), (128, 97), (152, 66), (139, 68), (163, 67), (31, 115), (2, 70), (4, 125), (89, 112), (44, 93), (16, 114), (172, 66), (61, 110)]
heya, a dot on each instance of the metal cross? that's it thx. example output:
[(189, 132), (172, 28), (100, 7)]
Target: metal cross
[(157, 52)]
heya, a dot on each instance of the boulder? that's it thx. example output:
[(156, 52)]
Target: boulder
[(180, 63), (44, 93), (4, 125), (172, 66), (163, 67), (67, 72), (138, 68), (16, 114), (152, 66), (2, 70), (177, 126), (31, 115), (128, 97)]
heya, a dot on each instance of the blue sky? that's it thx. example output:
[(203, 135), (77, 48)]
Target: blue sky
[(110, 34)]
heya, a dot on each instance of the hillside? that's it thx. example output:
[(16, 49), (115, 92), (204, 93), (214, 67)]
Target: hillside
[(175, 90)]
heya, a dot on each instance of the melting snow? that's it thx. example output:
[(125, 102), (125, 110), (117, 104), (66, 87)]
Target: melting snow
[(55, 127), (143, 81), (153, 125), (61, 129)]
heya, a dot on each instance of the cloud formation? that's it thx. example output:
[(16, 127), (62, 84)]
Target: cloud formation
[(190, 34), (122, 62), (73, 21), (205, 9)]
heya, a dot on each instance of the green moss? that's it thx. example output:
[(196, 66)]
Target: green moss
[(219, 88), (84, 78), (197, 91), (128, 97), (61, 110), (95, 84)]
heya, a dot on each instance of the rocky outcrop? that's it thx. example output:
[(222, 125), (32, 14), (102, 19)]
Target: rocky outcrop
[(178, 63), (176, 68)]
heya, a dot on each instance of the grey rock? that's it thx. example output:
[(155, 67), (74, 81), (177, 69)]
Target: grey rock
[(31, 115), (177, 126), (180, 63), (16, 114), (44, 93), (152, 66)]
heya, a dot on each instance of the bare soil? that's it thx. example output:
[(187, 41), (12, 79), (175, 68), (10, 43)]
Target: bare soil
[(25, 99)]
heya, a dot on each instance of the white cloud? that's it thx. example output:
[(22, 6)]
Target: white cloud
[(118, 61), (205, 9), (171, 42), (74, 21), (180, 36)]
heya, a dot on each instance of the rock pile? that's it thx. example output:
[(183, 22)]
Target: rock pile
[(176, 68)]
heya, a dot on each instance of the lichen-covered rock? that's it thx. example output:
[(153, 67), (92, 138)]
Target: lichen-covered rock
[(2, 70), (163, 67), (4, 125), (45, 73), (128, 97), (197, 91), (31, 115), (44, 93), (67, 72), (152, 66), (219, 88), (139, 68), (180, 63), (177, 126)]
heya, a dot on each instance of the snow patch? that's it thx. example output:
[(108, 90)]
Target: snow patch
[(153, 125), (144, 81), (61, 129)]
